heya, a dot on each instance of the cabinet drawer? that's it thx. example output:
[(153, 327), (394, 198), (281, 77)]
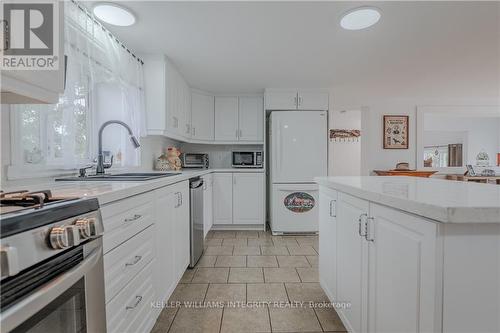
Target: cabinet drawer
[(124, 262), (130, 310), (124, 219)]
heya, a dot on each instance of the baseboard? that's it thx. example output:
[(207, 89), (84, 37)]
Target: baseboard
[(239, 227)]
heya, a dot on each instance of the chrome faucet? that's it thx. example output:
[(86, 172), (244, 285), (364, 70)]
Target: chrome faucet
[(100, 157)]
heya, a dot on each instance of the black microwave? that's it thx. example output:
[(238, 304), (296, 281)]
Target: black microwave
[(248, 159)]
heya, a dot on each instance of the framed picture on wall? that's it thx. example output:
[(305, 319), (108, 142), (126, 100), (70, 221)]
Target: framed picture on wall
[(395, 132)]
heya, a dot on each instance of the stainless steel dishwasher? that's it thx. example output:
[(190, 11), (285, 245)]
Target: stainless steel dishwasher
[(196, 219)]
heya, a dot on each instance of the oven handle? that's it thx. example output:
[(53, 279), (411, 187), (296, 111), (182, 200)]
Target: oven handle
[(22, 311)]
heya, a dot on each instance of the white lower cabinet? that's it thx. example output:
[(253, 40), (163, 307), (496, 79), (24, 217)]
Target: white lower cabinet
[(238, 198), (208, 181), (382, 261), (402, 267), (130, 311), (172, 237), (352, 268), (223, 198), (328, 241), (181, 236), (147, 250), (248, 206)]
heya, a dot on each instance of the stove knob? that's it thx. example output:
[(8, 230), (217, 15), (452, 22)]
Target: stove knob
[(86, 227), (64, 236), (59, 238)]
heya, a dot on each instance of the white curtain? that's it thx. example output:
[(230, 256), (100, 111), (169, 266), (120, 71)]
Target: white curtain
[(115, 80), (103, 82)]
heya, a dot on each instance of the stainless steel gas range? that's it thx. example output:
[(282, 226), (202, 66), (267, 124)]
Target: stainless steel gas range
[(51, 264)]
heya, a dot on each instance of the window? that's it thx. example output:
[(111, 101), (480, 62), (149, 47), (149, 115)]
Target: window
[(54, 135), (103, 82)]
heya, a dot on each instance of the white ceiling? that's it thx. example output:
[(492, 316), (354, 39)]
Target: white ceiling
[(247, 46)]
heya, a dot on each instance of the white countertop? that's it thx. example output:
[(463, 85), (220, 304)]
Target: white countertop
[(437, 199), (109, 191)]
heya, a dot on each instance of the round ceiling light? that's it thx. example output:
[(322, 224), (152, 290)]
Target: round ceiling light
[(114, 14), (360, 18)]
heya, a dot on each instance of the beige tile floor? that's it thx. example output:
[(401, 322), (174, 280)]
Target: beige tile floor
[(251, 281)]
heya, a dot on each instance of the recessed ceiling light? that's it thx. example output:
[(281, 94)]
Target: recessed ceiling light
[(360, 18), (114, 14)]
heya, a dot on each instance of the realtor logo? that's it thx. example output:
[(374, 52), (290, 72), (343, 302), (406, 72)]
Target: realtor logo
[(30, 35)]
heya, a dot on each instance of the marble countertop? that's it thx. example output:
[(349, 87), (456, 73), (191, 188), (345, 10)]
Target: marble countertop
[(437, 199), (109, 191)]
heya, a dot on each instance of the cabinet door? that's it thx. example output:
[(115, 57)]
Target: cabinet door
[(352, 252), (207, 203), (223, 198), (251, 119), (181, 228), (164, 278), (312, 101), (154, 91), (171, 89), (185, 109), (401, 272), (248, 202), (226, 118), (328, 242), (202, 122), (281, 100)]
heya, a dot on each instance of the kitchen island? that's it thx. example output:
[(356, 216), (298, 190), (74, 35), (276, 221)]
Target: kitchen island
[(411, 254)]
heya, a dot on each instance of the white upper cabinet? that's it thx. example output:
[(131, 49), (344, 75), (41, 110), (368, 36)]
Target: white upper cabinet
[(36, 87), (251, 119), (281, 100), (226, 118), (239, 119), (202, 117), (248, 198), (310, 100), (296, 100), (168, 99)]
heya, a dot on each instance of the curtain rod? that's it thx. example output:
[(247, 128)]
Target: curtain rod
[(86, 12)]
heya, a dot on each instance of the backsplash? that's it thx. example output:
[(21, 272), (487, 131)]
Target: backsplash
[(219, 155), (153, 146)]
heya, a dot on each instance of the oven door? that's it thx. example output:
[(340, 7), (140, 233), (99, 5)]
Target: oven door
[(73, 301), (244, 158), (193, 160)]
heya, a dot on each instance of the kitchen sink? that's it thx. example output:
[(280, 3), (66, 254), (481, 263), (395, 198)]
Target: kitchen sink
[(130, 176)]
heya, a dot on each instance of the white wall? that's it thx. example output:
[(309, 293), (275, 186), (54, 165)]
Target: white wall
[(344, 157), (401, 97)]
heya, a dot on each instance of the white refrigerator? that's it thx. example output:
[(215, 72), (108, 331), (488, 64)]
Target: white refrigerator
[(298, 153)]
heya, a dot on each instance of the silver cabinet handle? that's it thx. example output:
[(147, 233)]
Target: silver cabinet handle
[(133, 218), (194, 131), (367, 230), (360, 220), (295, 101), (187, 128), (237, 134), (300, 100), (135, 261), (138, 300), (181, 198), (178, 194), (241, 134), (333, 213)]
